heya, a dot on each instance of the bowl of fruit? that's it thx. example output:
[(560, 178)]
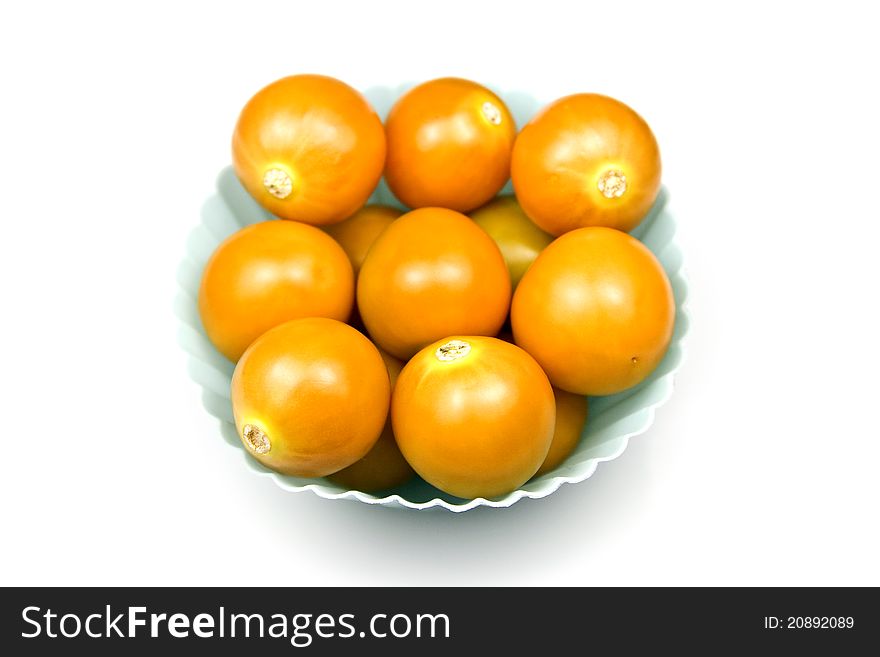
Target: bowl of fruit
[(435, 295)]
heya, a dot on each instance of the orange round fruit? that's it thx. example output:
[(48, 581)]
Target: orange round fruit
[(431, 274), (309, 148), (449, 145), (357, 233), (596, 310), (586, 160), (474, 416), (310, 397), (267, 274), (519, 239), (384, 466), (571, 415)]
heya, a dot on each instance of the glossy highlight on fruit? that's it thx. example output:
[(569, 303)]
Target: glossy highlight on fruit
[(269, 273), (309, 148), (519, 239), (473, 415), (586, 160), (384, 466), (430, 274), (596, 310), (449, 145), (310, 397)]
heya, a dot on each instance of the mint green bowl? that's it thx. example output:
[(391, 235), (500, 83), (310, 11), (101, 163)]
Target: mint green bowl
[(613, 419)]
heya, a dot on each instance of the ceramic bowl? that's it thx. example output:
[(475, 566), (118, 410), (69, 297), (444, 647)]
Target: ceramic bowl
[(613, 419)]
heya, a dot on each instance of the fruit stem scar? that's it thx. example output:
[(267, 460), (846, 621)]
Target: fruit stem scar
[(492, 113), (635, 360), (612, 183), (453, 350), (256, 439), (277, 183)]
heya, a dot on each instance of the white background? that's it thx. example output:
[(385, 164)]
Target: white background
[(762, 468)]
